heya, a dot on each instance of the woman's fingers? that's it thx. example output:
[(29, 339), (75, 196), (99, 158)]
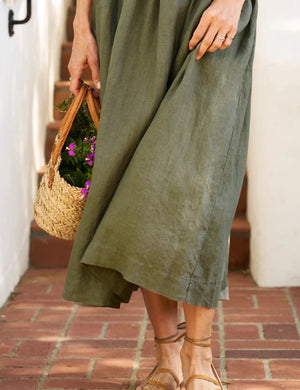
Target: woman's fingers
[(228, 41), (84, 54), (200, 31), (75, 78), (75, 85), (207, 41), (93, 63), (217, 26), (217, 43), (76, 67)]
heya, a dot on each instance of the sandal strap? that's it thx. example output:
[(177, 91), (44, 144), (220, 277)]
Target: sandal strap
[(203, 377), (155, 383), (173, 338), (216, 381), (167, 340), (182, 325), (159, 384), (171, 372), (198, 342)]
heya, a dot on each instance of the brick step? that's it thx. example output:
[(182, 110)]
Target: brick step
[(70, 18), (50, 252), (47, 251), (239, 251), (66, 50)]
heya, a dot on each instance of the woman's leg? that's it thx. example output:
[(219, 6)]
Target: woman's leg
[(196, 359), (162, 313)]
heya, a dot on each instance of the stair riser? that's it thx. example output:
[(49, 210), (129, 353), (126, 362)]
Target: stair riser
[(239, 252), (49, 252), (70, 18)]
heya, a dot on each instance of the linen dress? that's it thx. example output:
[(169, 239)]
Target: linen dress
[(170, 156)]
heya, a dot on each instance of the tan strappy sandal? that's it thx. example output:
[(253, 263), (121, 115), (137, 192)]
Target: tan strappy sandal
[(203, 343), (156, 370)]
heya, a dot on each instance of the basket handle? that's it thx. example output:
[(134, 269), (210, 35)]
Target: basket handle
[(67, 122)]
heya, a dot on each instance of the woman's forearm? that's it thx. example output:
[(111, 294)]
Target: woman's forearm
[(84, 48), (82, 20)]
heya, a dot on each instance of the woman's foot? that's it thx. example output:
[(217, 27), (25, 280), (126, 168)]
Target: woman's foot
[(168, 357), (197, 360)]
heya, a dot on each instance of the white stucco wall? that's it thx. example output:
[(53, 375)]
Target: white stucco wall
[(274, 150), (29, 67)]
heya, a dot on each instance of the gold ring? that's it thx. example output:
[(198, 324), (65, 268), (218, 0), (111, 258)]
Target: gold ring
[(229, 37), (222, 38)]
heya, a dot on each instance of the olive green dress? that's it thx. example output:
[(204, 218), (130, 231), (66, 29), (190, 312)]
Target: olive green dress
[(170, 156)]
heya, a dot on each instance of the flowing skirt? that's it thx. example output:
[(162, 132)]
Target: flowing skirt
[(170, 156)]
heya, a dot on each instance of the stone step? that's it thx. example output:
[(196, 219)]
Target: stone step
[(66, 50)]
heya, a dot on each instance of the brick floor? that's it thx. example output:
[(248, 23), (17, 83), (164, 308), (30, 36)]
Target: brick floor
[(49, 343)]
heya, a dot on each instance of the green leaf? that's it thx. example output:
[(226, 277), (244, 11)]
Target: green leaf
[(69, 179), (75, 169)]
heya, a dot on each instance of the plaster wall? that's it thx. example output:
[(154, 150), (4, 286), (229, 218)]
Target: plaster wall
[(29, 67)]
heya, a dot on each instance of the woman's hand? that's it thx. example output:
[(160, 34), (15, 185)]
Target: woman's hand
[(217, 26), (84, 54)]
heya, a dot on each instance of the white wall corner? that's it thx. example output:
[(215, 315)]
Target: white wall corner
[(274, 147)]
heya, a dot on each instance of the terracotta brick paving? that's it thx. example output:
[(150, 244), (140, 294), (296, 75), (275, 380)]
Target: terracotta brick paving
[(49, 343)]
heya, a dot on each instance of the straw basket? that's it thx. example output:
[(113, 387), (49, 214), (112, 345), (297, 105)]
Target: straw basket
[(58, 205)]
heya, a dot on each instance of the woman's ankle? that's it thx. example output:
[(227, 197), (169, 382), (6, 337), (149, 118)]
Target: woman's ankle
[(191, 353), (167, 351)]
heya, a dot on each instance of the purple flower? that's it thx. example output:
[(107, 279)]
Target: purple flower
[(90, 158), (85, 139), (93, 139), (70, 149), (93, 147), (85, 190)]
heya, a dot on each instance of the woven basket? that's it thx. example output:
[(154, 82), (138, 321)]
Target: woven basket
[(58, 205)]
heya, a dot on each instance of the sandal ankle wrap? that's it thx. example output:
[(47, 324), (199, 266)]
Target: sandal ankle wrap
[(156, 370), (204, 343)]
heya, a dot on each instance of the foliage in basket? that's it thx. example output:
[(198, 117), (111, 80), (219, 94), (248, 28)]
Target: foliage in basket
[(77, 157)]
